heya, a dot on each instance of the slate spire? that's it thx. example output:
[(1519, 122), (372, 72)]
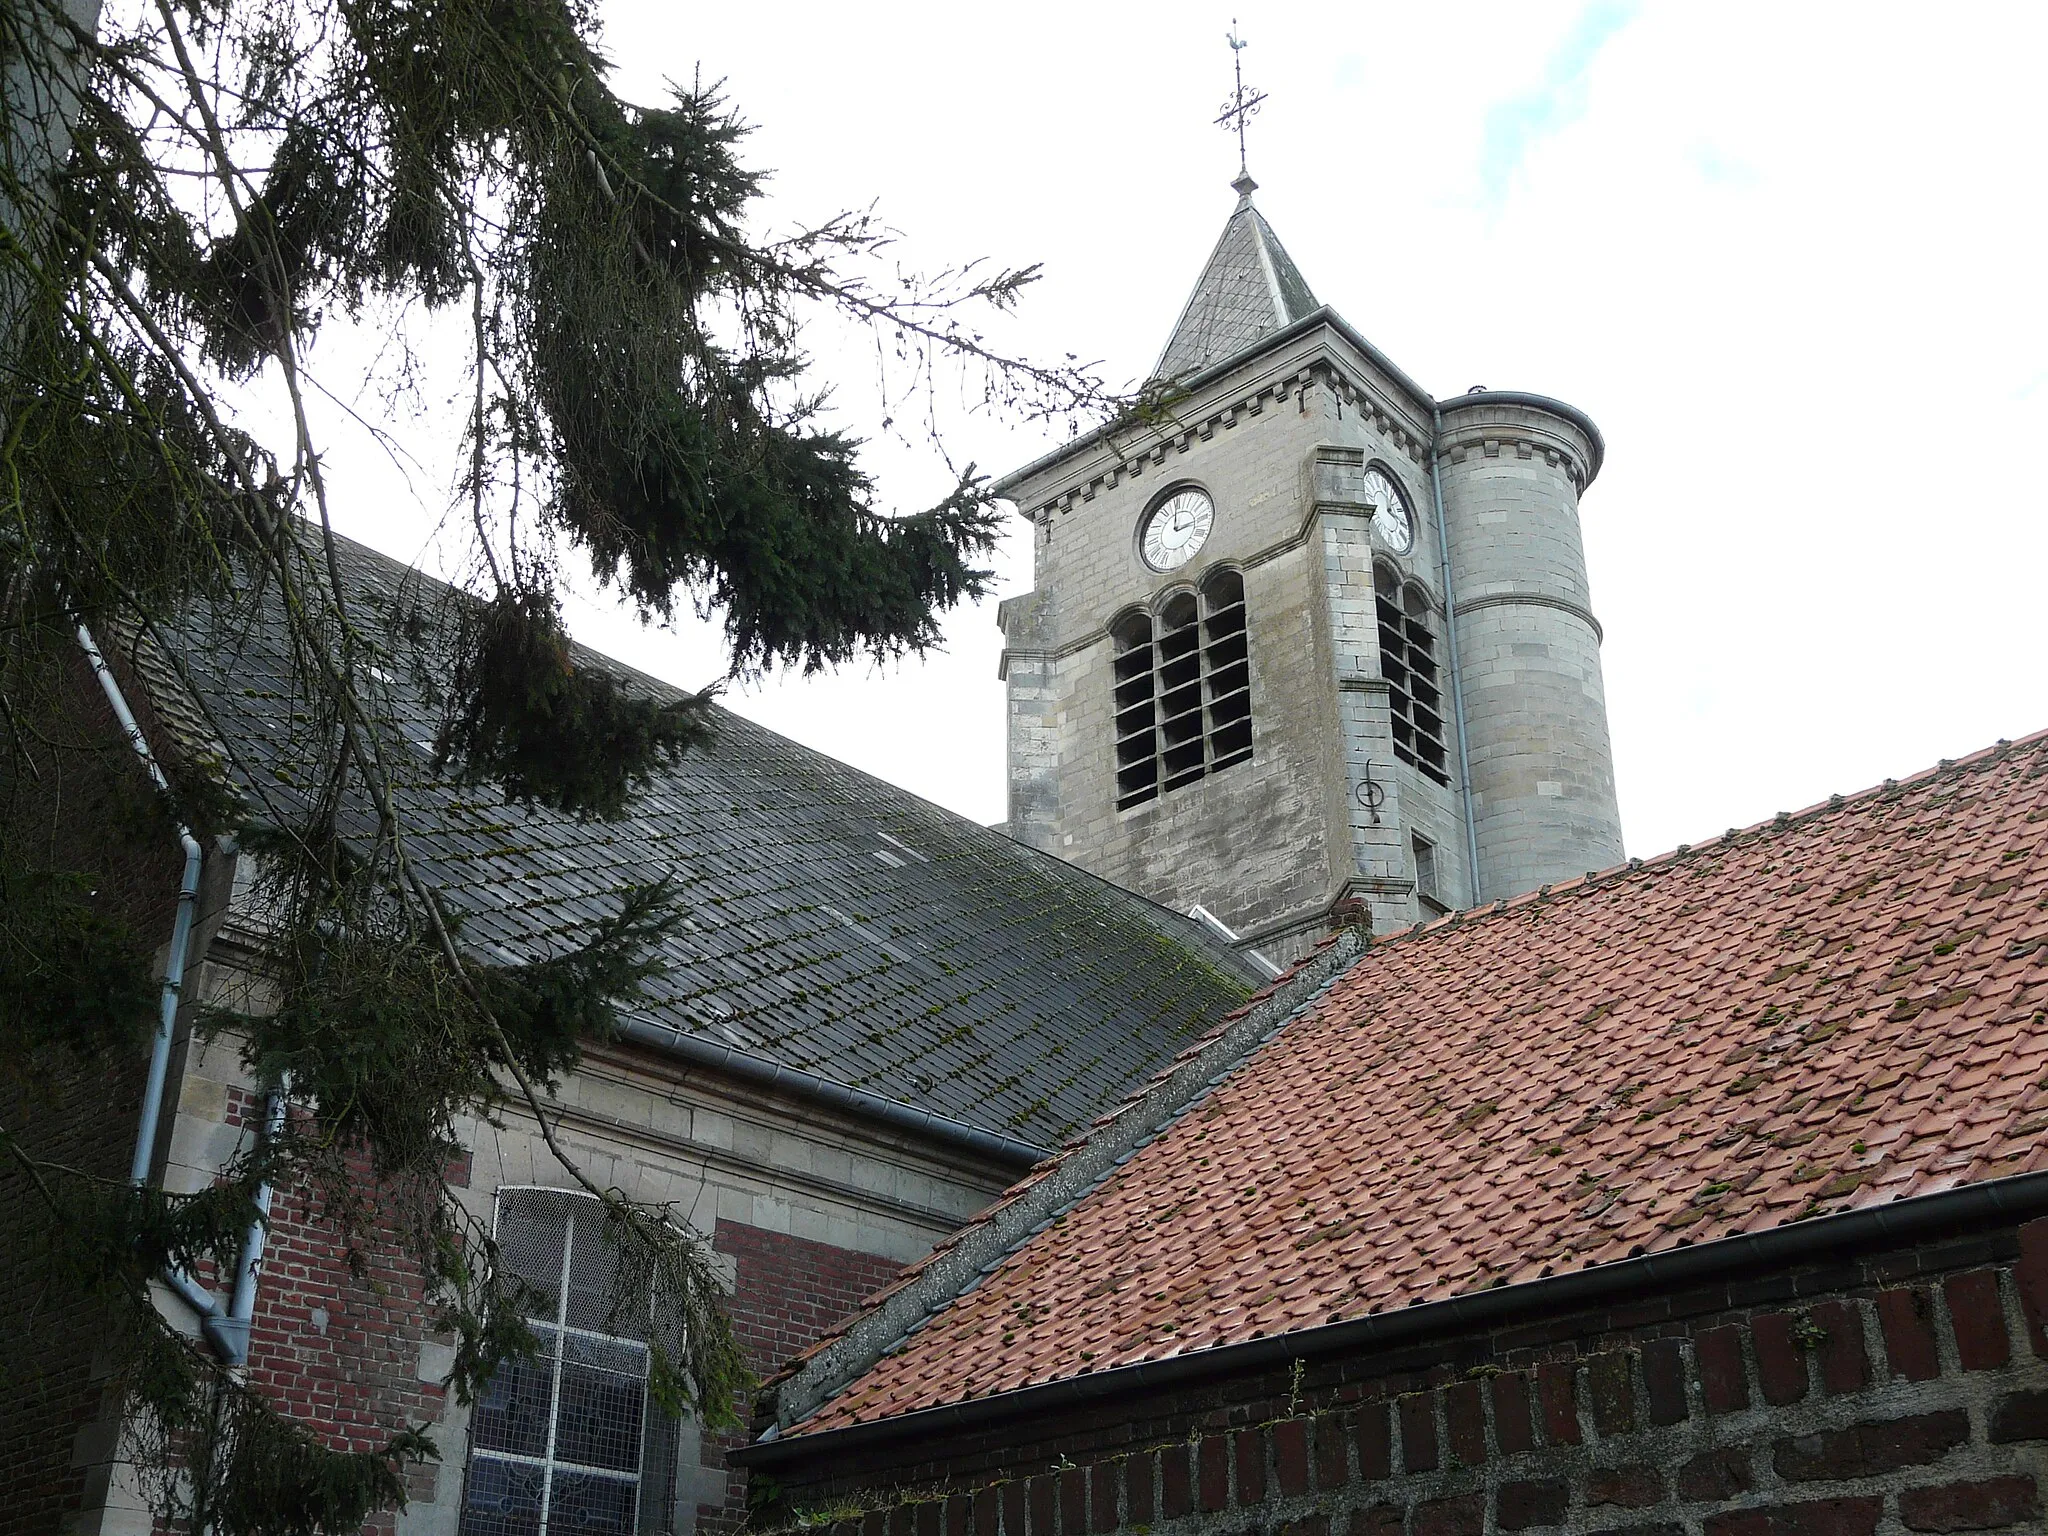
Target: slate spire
[(1250, 288)]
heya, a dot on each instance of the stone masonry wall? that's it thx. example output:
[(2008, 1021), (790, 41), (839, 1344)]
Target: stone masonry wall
[(1270, 844), (1529, 648), (1907, 1392)]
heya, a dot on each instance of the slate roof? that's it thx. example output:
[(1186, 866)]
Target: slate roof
[(1249, 289), (1834, 1010), (835, 923)]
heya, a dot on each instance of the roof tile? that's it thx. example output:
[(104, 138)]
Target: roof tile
[(1834, 1010)]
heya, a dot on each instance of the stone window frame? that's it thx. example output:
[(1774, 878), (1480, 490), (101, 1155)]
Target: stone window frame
[(1180, 688), (1404, 609), (608, 1358)]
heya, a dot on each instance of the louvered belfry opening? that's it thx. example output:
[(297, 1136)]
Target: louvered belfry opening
[(1408, 663), (1183, 705), (1137, 742)]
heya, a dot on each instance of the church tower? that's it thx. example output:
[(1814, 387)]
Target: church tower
[(1308, 642)]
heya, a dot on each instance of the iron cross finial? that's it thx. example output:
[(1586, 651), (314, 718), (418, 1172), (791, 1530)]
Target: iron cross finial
[(1242, 103)]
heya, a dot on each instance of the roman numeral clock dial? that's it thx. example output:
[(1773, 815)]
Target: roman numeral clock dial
[(1175, 529)]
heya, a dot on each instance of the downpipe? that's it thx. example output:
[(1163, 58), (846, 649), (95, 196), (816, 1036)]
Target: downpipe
[(1443, 548), (226, 1331)]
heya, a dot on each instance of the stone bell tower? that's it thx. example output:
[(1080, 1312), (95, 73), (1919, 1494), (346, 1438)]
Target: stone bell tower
[(1311, 644)]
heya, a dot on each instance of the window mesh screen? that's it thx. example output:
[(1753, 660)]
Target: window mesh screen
[(1408, 663), (1183, 697), (569, 1441)]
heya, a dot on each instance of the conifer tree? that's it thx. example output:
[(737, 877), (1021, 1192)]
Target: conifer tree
[(190, 190)]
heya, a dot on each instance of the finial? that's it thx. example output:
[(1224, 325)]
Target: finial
[(1239, 108), (1244, 187)]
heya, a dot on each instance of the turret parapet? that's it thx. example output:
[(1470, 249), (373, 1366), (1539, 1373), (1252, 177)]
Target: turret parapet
[(1530, 424)]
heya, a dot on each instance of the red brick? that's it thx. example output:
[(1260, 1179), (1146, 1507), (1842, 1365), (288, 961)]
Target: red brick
[(1908, 1322), (1556, 1383), (1214, 1472), (1137, 1490), (1977, 1314), (1614, 1399), (1865, 1450), (929, 1515), (1780, 1362), (1826, 1517), (1986, 1506), (1462, 1516), (1418, 1432), (1290, 1457), (1664, 1381), (1333, 1457), (1844, 1367), (1250, 1446), (2030, 1276), (1522, 1506), (1374, 1441), (902, 1520), (1465, 1421), (1512, 1430), (985, 1513), (1013, 1507), (876, 1523), (2019, 1416), (1724, 1383), (1715, 1475), (1044, 1494), (1629, 1487), (1176, 1491), (1380, 1520), (1102, 1510)]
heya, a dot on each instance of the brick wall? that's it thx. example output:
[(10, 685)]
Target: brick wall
[(79, 812), (1899, 1393), (342, 1349), (786, 1292)]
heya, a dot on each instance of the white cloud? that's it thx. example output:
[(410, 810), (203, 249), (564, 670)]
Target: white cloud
[(1787, 256)]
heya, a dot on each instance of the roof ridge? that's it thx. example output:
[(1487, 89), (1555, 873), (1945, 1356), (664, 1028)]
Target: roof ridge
[(956, 1266), (1782, 822)]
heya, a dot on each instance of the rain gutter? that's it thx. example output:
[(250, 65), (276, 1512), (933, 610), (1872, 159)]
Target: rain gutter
[(762, 1072), (227, 1331), (1818, 1238)]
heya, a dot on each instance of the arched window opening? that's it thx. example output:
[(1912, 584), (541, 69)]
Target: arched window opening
[(570, 1440), (1408, 663), (1183, 705), (1137, 746)]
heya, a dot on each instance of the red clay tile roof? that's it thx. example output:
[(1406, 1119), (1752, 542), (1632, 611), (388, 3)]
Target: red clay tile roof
[(1832, 1010)]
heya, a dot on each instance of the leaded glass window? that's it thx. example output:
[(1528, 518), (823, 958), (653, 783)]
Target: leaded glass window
[(570, 1441)]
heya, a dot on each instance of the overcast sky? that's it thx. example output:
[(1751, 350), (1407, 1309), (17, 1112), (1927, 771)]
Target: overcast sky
[(1788, 257)]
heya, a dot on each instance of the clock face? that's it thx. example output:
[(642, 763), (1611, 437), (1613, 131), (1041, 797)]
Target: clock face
[(1391, 519), (1175, 529)]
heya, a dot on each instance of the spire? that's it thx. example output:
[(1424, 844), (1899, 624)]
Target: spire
[(1250, 289)]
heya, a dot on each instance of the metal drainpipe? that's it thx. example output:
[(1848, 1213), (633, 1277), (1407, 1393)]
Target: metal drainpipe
[(228, 1333), (181, 927), (1443, 545)]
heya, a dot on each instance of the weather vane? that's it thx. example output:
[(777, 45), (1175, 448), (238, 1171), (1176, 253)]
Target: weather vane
[(1242, 103)]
